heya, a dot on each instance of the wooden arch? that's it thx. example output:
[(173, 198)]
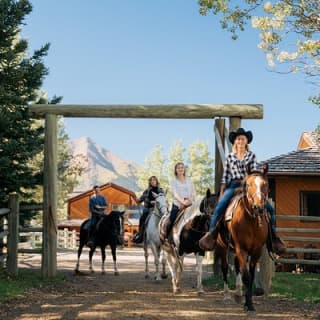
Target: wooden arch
[(235, 112)]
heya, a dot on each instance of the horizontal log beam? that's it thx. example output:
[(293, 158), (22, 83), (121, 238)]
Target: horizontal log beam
[(302, 250), (298, 218), (298, 261), (168, 111)]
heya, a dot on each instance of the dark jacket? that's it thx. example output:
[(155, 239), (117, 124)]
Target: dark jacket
[(147, 196)]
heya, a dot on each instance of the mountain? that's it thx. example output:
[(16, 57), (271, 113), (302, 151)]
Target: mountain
[(102, 166)]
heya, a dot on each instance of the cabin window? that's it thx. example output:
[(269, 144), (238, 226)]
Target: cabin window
[(310, 204)]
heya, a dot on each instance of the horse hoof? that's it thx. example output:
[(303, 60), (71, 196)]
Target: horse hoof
[(164, 276), (92, 271), (177, 291), (76, 271), (116, 273), (200, 293)]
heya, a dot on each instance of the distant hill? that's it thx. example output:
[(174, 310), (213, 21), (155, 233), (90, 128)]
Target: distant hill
[(103, 166)]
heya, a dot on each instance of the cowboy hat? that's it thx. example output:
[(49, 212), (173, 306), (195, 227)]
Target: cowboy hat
[(240, 132)]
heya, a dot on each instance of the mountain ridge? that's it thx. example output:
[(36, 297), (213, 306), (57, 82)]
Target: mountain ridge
[(102, 166)]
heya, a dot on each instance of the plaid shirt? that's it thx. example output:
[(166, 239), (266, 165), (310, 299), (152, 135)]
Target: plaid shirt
[(236, 169)]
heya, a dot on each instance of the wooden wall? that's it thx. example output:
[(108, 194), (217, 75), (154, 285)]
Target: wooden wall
[(287, 202)]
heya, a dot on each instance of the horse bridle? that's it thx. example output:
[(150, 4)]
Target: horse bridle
[(250, 198)]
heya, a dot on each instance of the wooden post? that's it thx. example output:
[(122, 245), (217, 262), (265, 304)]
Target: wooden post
[(234, 123), (13, 236), (219, 128), (267, 270), (49, 238)]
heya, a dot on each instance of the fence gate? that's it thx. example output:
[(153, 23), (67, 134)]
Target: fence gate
[(235, 112)]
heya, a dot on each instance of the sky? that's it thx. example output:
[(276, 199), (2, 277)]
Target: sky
[(162, 52)]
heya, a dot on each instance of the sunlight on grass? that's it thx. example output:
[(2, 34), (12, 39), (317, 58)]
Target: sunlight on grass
[(302, 287), (27, 278)]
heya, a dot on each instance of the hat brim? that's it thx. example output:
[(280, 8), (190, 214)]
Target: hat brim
[(234, 135)]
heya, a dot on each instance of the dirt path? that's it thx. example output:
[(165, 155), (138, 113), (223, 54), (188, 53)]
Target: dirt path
[(131, 296)]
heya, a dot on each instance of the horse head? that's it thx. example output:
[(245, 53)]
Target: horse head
[(256, 187), (161, 203), (208, 203)]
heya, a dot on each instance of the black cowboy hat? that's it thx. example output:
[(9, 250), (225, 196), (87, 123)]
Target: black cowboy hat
[(240, 132)]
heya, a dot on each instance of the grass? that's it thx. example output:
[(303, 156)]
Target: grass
[(11, 287), (302, 287)]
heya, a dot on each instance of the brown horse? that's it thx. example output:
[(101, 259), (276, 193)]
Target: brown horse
[(248, 230)]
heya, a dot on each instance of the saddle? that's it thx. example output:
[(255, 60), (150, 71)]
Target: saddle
[(233, 204), (163, 226)]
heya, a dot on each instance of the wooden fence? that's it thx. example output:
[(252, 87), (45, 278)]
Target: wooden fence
[(307, 252)]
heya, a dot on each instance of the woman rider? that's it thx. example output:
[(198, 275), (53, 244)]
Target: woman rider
[(234, 172)]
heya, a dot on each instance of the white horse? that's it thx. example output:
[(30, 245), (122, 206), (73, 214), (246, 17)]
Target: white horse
[(175, 254), (152, 237)]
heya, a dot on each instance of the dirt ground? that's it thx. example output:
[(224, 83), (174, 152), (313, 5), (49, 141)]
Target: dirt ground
[(131, 296)]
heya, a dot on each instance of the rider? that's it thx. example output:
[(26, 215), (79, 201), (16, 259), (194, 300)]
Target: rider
[(234, 172), (183, 193), (97, 206), (149, 201)]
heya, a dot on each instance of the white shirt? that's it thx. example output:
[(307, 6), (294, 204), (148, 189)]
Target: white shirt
[(184, 190)]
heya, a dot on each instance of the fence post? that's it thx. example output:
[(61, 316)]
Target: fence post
[(65, 238), (266, 271), (74, 239), (13, 236)]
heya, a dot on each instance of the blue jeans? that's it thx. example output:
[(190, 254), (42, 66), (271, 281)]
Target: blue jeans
[(225, 200), (223, 203)]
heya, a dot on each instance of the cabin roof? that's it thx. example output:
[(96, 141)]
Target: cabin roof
[(102, 187), (300, 162)]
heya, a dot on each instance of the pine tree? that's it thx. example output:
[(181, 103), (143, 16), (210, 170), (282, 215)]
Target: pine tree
[(21, 77)]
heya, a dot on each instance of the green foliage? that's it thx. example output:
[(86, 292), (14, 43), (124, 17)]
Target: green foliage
[(21, 77), (198, 162), (26, 279), (289, 30)]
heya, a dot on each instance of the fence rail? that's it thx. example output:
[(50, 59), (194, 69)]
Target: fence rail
[(301, 255)]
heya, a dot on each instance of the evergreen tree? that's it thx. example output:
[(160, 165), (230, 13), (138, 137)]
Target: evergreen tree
[(21, 77)]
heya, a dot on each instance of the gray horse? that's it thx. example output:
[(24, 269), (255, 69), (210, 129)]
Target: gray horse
[(152, 238)]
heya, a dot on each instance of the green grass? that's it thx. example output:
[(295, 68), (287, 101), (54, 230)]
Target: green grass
[(303, 287), (11, 287)]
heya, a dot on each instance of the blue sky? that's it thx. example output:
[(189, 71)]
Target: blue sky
[(162, 52)]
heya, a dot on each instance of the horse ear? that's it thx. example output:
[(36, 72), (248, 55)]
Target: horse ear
[(208, 194), (154, 194), (265, 168)]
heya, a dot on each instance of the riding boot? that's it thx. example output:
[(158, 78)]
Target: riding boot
[(208, 241), (277, 244), (138, 238)]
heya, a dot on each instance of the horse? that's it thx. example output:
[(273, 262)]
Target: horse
[(183, 242), (248, 230), (194, 230), (108, 231), (152, 238)]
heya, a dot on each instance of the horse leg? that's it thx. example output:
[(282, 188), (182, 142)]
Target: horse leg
[(156, 253), (114, 257), (164, 263), (103, 258), (238, 292), (173, 269), (146, 256), (246, 279), (224, 269), (199, 259), (91, 252), (179, 268), (79, 254)]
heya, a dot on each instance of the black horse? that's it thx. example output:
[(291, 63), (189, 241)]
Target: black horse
[(107, 232)]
